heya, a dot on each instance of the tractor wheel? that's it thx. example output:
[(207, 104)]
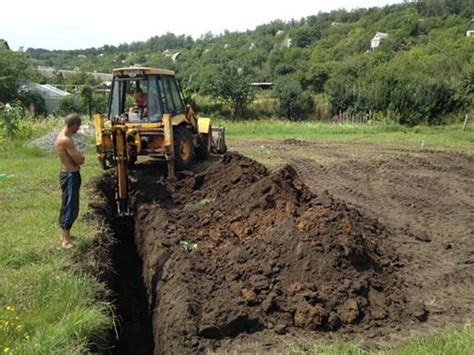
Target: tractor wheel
[(204, 148), (183, 148), (131, 163), (102, 163)]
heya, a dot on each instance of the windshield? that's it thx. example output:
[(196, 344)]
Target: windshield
[(136, 98)]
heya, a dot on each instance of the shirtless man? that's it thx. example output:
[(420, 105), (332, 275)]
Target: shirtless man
[(141, 102), (69, 178)]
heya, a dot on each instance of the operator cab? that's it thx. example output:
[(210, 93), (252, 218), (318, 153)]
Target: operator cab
[(144, 95)]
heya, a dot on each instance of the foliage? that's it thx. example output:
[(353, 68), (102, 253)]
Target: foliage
[(293, 102), (422, 73), (14, 69), (32, 101), (67, 105), (100, 103), (232, 85), (10, 119), (86, 100)]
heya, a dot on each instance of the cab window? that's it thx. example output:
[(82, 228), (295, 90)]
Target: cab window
[(172, 95)]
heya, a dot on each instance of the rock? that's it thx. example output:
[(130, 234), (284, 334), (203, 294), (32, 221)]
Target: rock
[(294, 288), (310, 317), (418, 311), (377, 304), (280, 329), (333, 321), (259, 282), (423, 236), (349, 311), (249, 296)]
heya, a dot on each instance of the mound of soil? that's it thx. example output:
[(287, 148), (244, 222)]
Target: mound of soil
[(237, 249)]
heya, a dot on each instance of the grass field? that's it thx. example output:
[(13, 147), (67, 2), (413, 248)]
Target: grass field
[(436, 137), (49, 306)]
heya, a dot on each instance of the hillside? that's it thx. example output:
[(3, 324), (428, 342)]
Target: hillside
[(422, 72)]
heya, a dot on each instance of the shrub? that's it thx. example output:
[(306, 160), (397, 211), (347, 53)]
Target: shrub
[(67, 105), (293, 102), (10, 119), (33, 102)]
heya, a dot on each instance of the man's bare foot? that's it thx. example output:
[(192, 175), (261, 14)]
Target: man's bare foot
[(67, 245)]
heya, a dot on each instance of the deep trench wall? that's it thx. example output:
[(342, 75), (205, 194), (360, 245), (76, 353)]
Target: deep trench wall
[(270, 256)]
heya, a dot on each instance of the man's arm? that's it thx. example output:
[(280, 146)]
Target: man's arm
[(73, 152)]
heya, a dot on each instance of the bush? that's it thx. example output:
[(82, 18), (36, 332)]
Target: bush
[(10, 119), (100, 104), (262, 107), (67, 105), (207, 106), (232, 85), (293, 102), (33, 101)]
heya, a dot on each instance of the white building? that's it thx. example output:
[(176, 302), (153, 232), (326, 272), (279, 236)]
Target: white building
[(51, 95), (470, 29), (378, 38), (175, 56), (287, 42)]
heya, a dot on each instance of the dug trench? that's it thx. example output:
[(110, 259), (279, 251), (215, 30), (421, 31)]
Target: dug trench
[(237, 256)]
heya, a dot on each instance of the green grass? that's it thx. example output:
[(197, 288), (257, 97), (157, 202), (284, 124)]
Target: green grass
[(435, 137), (47, 304), (448, 343)]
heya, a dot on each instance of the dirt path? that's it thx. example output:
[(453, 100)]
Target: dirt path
[(425, 197)]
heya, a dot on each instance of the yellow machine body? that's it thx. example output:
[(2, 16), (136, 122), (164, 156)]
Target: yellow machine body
[(169, 131)]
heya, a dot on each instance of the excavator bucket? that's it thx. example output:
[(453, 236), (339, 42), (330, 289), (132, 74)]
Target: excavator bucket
[(218, 140)]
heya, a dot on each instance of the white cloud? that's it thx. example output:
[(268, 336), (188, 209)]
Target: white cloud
[(55, 24)]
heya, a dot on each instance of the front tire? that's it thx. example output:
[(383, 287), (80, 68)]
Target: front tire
[(183, 148)]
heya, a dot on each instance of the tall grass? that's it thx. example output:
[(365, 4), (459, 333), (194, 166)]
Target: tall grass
[(47, 304)]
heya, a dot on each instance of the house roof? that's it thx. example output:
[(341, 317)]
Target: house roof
[(46, 88), (380, 35)]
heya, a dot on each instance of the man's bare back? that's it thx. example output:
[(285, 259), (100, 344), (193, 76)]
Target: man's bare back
[(69, 157)]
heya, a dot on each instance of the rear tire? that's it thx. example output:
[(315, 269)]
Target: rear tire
[(183, 148), (204, 148)]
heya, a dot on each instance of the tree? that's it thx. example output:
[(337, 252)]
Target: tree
[(293, 102), (232, 85), (14, 69), (33, 101), (87, 100)]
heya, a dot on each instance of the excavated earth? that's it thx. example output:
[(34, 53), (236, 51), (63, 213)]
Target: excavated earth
[(239, 257)]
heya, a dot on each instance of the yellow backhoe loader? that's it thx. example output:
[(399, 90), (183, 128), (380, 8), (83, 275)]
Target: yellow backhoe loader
[(147, 115)]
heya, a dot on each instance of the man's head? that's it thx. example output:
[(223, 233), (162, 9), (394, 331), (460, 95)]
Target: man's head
[(73, 122)]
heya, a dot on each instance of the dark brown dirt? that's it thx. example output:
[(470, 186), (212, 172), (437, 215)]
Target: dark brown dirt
[(371, 243), (425, 198), (237, 253)]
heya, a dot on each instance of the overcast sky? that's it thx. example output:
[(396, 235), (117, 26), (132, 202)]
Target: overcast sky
[(62, 24)]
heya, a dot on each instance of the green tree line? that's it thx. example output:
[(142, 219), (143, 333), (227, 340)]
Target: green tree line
[(423, 72)]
